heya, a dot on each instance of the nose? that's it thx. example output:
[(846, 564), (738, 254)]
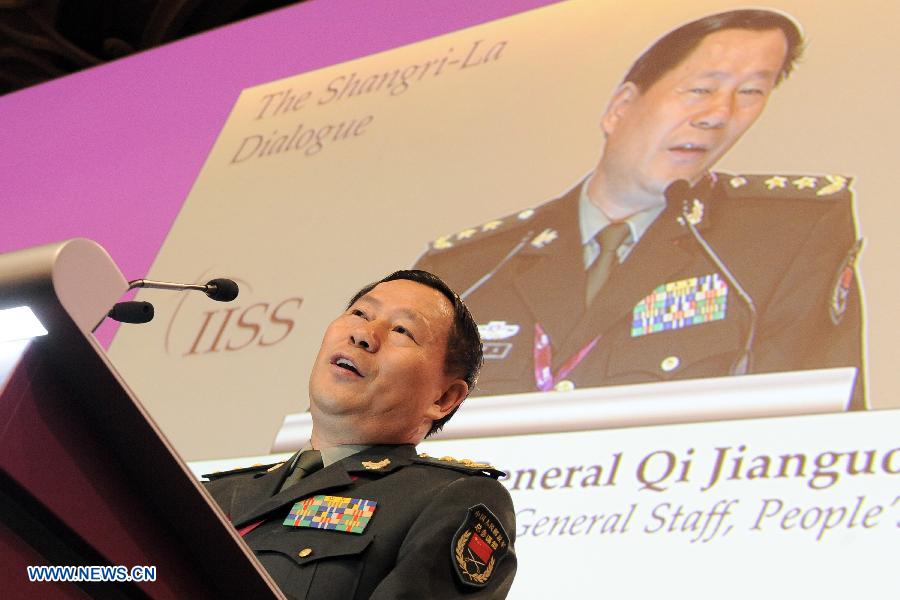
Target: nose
[(715, 114), (364, 337)]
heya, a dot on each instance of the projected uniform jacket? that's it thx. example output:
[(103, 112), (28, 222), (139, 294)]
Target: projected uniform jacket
[(427, 528), (666, 312)]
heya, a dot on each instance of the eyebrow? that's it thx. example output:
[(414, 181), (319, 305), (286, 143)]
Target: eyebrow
[(726, 75), (410, 314)]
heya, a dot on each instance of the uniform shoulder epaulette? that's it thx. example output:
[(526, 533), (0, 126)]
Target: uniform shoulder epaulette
[(490, 228), (792, 187), (241, 470), (463, 465)]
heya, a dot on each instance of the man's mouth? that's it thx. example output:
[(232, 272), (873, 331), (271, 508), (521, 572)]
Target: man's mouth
[(345, 363), (689, 148)]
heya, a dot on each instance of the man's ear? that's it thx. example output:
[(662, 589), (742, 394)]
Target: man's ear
[(453, 395), (621, 101)]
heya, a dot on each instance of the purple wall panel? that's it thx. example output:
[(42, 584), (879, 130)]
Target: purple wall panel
[(111, 153)]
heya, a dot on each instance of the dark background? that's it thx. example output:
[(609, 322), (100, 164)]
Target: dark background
[(41, 40)]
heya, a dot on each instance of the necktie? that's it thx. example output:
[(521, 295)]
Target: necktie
[(609, 238), (308, 462)]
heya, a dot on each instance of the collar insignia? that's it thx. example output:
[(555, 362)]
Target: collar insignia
[(544, 238), (374, 466), (694, 215)]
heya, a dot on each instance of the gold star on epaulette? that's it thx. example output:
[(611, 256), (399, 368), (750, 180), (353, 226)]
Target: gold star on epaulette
[(465, 462), (776, 181), (802, 183), (462, 464), (473, 234), (836, 183), (258, 467), (442, 243), (787, 187), (476, 465)]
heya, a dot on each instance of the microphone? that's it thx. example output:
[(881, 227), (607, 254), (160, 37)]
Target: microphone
[(132, 311), (487, 276), (679, 189), (679, 195), (220, 290)]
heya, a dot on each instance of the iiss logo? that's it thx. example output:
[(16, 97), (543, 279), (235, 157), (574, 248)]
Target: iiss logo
[(200, 327)]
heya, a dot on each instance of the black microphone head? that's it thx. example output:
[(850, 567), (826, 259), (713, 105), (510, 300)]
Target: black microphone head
[(677, 191), (132, 311), (222, 290)]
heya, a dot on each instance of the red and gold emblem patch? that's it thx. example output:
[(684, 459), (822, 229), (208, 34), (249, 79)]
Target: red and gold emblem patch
[(843, 281), (478, 546)]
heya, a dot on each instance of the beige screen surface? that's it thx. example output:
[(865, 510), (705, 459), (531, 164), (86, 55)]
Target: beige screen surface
[(325, 181)]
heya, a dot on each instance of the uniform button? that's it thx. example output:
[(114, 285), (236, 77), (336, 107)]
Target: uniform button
[(564, 386), (670, 363), (305, 552)]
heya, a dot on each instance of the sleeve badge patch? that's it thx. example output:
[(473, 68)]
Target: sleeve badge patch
[(478, 546), (843, 281)]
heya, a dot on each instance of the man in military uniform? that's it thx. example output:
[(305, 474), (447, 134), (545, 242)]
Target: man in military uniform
[(608, 284), (358, 514)]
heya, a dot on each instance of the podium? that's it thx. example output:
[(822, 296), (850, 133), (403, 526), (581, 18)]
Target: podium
[(86, 476)]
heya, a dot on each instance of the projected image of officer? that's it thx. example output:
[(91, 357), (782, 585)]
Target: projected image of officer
[(608, 285)]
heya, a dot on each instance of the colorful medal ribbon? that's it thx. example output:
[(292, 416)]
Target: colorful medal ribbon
[(544, 378)]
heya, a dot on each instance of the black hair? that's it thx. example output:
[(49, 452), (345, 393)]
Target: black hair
[(671, 49), (464, 351)]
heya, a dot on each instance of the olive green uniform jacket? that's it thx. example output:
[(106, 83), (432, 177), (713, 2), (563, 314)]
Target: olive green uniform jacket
[(789, 240), (408, 549)]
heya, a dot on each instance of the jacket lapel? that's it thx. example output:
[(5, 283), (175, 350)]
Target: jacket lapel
[(665, 249), (551, 282)]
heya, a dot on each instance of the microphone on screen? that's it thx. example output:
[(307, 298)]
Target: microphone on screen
[(680, 196)]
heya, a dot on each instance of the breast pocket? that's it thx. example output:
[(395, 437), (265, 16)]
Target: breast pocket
[(314, 564), (703, 350)]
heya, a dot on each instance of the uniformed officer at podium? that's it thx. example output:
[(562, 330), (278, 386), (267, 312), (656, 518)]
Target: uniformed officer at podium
[(358, 513), (607, 285)]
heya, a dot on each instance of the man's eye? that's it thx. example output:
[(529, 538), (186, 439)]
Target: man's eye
[(700, 91), (753, 92), (357, 313), (404, 331)]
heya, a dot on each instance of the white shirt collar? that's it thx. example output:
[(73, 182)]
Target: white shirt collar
[(592, 220)]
